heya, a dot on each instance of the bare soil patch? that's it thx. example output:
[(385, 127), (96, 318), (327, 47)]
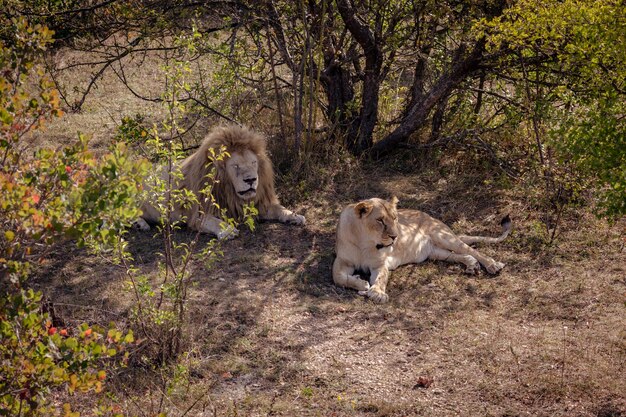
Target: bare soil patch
[(270, 334)]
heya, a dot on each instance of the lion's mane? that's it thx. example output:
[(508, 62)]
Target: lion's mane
[(197, 166)]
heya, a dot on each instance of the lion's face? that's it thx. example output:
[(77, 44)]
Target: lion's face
[(380, 220), (243, 171)]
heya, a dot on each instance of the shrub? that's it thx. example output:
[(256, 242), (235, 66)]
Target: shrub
[(47, 196)]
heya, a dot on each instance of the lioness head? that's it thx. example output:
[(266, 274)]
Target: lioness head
[(243, 171), (379, 218)]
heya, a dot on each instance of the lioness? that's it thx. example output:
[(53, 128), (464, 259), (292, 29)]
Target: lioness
[(374, 236)]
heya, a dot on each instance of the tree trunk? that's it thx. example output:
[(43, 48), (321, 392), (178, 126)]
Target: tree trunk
[(339, 89), (417, 114), (359, 137)]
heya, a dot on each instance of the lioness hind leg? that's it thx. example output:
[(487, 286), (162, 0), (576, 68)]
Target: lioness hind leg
[(447, 240), (472, 266)]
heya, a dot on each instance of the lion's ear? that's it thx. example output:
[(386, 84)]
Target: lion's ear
[(364, 208), (394, 200)]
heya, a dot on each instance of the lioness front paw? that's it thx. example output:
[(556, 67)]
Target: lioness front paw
[(228, 232), (293, 219), (494, 268), (360, 284), (377, 295)]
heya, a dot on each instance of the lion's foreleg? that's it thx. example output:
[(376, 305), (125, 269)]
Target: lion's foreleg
[(343, 275), (141, 224), (283, 215), (213, 225), (378, 282)]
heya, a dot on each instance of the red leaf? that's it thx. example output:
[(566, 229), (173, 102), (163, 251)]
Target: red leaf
[(423, 382)]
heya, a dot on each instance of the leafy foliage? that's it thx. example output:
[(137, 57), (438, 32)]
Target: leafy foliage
[(37, 357), (160, 304), (583, 79), (47, 196)]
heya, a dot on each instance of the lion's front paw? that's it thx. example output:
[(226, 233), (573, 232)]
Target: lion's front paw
[(377, 295), (228, 232), (141, 224), (494, 268), (293, 219)]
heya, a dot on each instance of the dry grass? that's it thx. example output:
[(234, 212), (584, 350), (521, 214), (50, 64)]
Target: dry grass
[(269, 333)]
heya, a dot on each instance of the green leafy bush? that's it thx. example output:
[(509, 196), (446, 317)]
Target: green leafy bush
[(48, 196)]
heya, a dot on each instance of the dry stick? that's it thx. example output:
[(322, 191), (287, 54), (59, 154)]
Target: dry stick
[(132, 399), (121, 75), (315, 81), (278, 101), (87, 307), (100, 72), (500, 96), (72, 11), (298, 89), (309, 57), (563, 359), (479, 97), (206, 393)]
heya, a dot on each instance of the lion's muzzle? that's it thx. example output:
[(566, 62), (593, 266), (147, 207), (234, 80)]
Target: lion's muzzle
[(250, 192)]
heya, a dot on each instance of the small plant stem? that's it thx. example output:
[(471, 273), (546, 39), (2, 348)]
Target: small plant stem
[(563, 358)]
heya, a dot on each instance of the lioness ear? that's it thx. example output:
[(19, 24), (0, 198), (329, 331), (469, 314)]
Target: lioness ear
[(363, 208), (394, 200)]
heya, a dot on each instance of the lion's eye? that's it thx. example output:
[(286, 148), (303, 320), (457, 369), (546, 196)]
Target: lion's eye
[(380, 221)]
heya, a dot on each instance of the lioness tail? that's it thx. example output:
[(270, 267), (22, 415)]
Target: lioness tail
[(506, 229)]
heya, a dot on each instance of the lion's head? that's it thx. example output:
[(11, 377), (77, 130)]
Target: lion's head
[(378, 221), (245, 175)]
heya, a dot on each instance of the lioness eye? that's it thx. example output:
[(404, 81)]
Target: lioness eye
[(380, 221)]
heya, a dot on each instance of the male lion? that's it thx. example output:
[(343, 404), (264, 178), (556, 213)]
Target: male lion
[(373, 236), (245, 176)]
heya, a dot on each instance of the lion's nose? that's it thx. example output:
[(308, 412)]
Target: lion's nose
[(250, 181), (393, 237)]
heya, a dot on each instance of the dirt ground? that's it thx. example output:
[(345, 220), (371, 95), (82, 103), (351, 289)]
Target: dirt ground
[(271, 335)]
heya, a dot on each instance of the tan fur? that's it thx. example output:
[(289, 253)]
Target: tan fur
[(374, 236), (248, 148)]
